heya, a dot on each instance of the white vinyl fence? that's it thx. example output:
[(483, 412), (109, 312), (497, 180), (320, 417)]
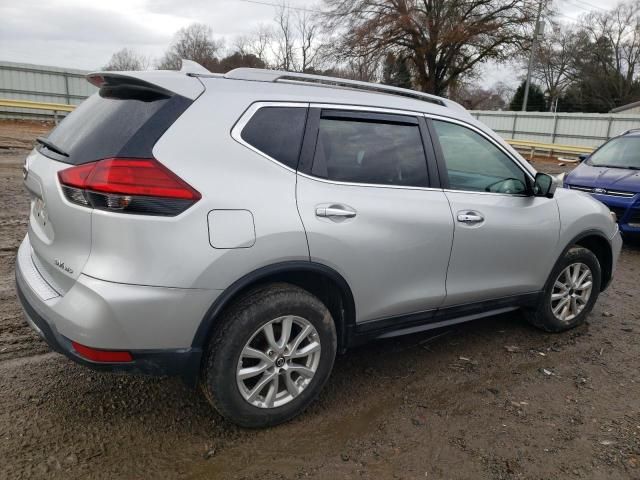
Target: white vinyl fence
[(38, 83), (576, 129), (63, 85)]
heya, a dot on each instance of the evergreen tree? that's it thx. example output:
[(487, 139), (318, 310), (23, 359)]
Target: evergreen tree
[(395, 72), (535, 103)]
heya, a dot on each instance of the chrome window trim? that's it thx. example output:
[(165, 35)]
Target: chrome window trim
[(475, 192), (375, 185), (434, 116), (360, 108), (247, 115), (364, 108)]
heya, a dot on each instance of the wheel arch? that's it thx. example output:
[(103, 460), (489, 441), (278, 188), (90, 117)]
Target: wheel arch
[(318, 279), (599, 244)]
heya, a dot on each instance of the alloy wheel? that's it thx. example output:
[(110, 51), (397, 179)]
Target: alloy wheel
[(571, 291), (278, 362)]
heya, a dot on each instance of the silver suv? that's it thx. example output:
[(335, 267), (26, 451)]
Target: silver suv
[(239, 230)]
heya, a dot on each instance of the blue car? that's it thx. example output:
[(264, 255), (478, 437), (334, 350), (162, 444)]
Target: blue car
[(612, 175)]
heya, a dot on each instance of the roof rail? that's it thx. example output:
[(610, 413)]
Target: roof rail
[(631, 130), (261, 75)]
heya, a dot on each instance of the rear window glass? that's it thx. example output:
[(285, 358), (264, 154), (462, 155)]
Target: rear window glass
[(104, 127), (277, 131)]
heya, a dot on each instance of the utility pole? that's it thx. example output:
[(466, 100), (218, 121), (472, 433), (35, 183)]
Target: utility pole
[(534, 46)]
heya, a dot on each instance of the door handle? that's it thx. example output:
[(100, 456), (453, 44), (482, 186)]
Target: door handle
[(335, 211), (470, 217)]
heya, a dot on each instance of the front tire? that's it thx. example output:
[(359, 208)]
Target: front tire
[(270, 357), (570, 292)]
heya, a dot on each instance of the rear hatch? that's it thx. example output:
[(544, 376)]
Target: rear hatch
[(123, 120)]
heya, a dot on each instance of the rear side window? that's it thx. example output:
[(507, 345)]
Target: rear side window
[(277, 132), (122, 121), (376, 152)]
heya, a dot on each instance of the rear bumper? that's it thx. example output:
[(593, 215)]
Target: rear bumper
[(156, 325), (185, 363)]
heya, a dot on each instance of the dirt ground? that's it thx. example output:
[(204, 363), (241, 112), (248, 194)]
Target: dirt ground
[(492, 399)]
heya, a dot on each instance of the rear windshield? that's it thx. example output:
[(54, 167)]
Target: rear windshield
[(114, 123)]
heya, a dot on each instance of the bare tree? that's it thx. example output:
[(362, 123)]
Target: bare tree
[(283, 42), (364, 66), (618, 32), (256, 43), (127, 59), (297, 43), (605, 66), (194, 42), (443, 39), (473, 97), (308, 30), (553, 65)]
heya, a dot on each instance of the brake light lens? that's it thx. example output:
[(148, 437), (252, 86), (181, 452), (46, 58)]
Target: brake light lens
[(129, 185)]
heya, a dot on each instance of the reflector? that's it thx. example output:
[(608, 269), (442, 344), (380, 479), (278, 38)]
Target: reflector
[(105, 356)]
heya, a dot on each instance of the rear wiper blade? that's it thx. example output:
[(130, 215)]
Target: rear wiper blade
[(51, 146)]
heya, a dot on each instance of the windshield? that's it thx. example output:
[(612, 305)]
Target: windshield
[(621, 152)]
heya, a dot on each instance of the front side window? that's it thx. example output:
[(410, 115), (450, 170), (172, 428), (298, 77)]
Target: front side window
[(621, 152), (370, 151), (277, 131), (475, 164)]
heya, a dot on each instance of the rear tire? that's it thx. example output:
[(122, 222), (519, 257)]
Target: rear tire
[(262, 332), (570, 292)]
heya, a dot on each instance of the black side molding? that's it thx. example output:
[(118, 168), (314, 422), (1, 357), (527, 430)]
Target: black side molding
[(437, 318)]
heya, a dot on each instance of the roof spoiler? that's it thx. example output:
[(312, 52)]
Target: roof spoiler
[(160, 81)]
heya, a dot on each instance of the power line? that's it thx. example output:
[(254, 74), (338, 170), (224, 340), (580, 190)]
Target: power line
[(273, 4), (573, 4), (590, 5)]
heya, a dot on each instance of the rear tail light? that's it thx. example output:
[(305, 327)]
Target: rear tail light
[(128, 185)]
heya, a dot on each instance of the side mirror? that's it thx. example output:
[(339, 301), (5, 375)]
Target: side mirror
[(544, 185), (582, 157)]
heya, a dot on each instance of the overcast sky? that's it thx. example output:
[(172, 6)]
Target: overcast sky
[(83, 33)]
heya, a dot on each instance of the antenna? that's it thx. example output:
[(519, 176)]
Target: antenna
[(193, 68)]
